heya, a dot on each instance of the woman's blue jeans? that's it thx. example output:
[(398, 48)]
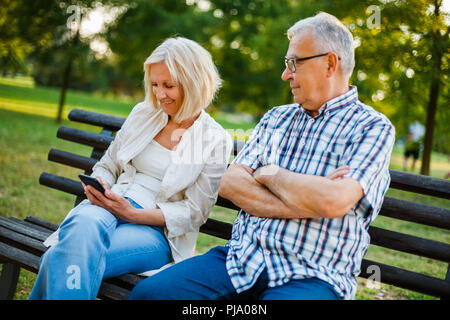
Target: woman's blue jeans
[(94, 244)]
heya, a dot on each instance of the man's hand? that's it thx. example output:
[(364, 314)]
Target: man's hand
[(117, 205), (240, 187), (311, 196), (263, 172)]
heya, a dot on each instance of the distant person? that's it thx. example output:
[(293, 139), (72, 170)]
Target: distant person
[(413, 144), (310, 181), (161, 174)]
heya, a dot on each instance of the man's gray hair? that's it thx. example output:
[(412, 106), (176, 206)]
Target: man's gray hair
[(330, 34)]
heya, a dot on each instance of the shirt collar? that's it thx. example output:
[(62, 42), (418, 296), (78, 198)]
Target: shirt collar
[(338, 102)]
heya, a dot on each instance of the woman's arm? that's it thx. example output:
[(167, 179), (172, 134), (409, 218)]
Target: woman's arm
[(122, 209), (107, 168)]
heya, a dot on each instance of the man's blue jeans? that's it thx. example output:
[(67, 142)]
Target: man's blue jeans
[(94, 244), (205, 277)]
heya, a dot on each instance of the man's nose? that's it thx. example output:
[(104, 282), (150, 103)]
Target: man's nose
[(286, 75)]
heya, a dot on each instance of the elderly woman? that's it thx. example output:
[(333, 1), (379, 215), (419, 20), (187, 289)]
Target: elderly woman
[(161, 175)]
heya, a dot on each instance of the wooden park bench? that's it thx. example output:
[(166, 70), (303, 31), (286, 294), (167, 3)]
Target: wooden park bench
[(21, 240)]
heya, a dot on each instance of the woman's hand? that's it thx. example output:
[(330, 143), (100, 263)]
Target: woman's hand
[(105, 184), (115, 204)]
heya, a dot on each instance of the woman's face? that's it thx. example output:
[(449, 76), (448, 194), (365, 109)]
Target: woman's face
[(168, 93)]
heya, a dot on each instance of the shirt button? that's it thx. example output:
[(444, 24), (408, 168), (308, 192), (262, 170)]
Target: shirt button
[(266, 252)]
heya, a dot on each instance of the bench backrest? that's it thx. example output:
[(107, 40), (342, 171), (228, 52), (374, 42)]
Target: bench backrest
[(393, 208)]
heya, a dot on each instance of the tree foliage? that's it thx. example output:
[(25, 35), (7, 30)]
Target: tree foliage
[(401, 53)]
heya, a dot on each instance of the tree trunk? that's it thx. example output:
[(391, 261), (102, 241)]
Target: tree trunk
[(65, 84), (433, 97), (431, 115)]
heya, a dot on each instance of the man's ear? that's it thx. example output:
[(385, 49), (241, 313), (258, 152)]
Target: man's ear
[(333, 61)]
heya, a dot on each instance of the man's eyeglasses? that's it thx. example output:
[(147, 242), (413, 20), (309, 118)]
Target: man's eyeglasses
[(291, 63)]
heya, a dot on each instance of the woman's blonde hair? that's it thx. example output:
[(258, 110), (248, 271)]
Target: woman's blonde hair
[(191, 66)]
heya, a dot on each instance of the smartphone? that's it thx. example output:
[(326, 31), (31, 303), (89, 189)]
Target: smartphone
[(88, 180)]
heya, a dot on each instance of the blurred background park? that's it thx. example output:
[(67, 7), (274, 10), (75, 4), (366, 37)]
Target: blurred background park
[(59, 55)]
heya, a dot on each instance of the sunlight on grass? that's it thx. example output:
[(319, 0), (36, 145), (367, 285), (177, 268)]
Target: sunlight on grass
[(24, 106), (25, 82)]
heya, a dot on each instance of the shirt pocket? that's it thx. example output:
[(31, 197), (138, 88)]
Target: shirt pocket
[(272, 149)]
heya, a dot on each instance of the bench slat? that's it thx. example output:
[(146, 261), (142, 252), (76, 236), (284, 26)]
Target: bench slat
[(29, 225), (96, 119), (84, 137), (21, 241), (217, 228), (41, 222), (409, 244), (61, 183), (11, 225), (407, 279), (20, 257), (71, 159), (222, 202), (127, 281), (109, 291), (420, 184), (416, 212)]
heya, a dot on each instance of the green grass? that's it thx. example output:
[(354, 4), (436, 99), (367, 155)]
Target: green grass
[(27, 136), (44, 101)]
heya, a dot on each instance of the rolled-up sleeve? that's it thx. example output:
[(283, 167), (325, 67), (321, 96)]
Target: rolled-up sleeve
[(107, 168), (368, 157)]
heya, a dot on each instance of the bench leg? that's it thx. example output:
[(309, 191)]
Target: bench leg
[(447, 278), (8, 280)]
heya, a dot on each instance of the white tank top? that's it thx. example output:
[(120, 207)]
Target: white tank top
[(151, 165)]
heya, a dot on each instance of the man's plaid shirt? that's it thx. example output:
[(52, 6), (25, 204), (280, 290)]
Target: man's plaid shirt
[(345, 132)]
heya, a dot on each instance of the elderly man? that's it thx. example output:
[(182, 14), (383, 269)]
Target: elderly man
[(310, 180)]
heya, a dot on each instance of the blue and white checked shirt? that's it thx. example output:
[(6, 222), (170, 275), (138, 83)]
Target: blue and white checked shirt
[(345, 132)]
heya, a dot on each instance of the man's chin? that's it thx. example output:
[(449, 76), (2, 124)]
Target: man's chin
[(298, 100)]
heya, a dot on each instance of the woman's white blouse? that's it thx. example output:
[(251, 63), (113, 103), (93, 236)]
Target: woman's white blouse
[(151, 165), (190, 184)]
